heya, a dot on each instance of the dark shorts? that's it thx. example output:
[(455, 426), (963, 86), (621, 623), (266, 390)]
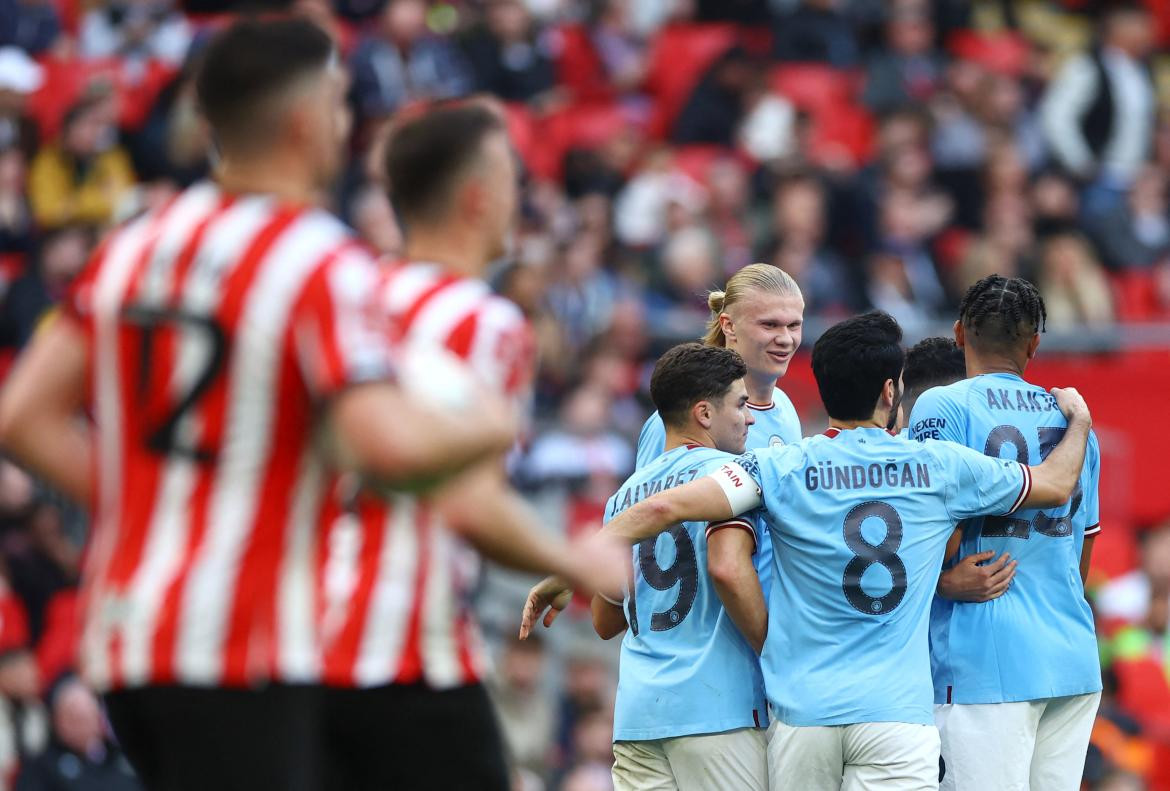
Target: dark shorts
[(194, 739), (413, 738)]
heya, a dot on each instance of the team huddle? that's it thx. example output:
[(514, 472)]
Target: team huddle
[(897, 603)]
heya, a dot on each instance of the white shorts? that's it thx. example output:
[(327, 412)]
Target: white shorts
[(711, 762), (1035, 745), (885, 756)]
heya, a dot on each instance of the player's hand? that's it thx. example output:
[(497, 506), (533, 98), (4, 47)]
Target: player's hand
[(599, 563), (552, 594), (1071, 404), (977, 578)]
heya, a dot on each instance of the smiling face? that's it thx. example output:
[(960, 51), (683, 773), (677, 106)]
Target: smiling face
[(765, 328)]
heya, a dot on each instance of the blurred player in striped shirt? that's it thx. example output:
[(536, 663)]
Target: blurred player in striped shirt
[(210, 341), (404, 654)]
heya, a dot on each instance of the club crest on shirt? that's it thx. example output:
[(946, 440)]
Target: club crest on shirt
[(775, 441)]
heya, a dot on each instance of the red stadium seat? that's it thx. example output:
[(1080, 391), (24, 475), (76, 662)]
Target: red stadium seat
[(577, 126), (1137, 297), (679, 56), (845, 130), (815, 86), (696, 160), (579, 66), (1004, 53), (66, 80)]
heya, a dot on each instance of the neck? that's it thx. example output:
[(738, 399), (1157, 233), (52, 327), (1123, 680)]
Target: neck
[(283, 177), (880, 419), (759, 389), (691, 435), (449, 246), (992, 364)]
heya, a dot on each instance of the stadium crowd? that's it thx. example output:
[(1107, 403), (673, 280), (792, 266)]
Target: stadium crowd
[(885, 154)]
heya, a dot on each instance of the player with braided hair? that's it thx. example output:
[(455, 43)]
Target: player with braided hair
[(1017, 677)]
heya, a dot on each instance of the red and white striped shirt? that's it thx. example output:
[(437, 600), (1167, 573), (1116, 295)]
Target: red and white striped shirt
[(216, 326), (397, 582)]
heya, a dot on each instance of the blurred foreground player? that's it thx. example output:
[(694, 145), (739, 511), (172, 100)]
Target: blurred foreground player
[(405, 659), (208, 340), (1019, 677)]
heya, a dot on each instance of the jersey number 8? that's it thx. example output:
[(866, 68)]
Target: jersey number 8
[(867, 554)]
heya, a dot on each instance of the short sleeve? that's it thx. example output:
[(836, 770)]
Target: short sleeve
[(936, 415), (503, 350), (748, 522), (979, 485), (1091, 504), (652, 440), (340, 334)]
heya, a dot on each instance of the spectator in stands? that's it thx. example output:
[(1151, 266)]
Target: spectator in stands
[(1004, 247), (583, 445), (816, 31), (1127, 598), (677, 303), (31, 25), (526, 712), (713, 112), (63, 253), (80, 756), (582, 294), (796, 243), (1073, 284), (907, 70), (1055, 203), (400, 62), (174, 143), (728, 212), (81, 177), (508, 56), (20, 76), (1136, 234), (1099, 111), (139, 30), (16, 230)]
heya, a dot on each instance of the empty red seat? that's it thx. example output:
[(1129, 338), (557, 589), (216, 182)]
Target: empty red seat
[(679, 56), (815, 86)]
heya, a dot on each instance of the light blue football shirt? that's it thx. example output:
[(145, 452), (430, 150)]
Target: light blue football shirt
[(1037, 640), (859, 523), (685, 667), (775, 425)]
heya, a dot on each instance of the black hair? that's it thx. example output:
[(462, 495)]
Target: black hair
[(853, 360), (427, 154), (246, 63), (930, 363), (1000, 313), (689, 373)]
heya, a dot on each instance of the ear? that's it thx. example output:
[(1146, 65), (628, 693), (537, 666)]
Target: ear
[(889, 393), (1033, 345), (960, 335), (701, 412), (728, 328)]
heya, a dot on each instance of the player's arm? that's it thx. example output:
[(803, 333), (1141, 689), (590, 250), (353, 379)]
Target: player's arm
[(41, 425), (609, 620), (1053, 481), (391, 436), (485, 510), (727, 492), (730, 546), (1087, 557)]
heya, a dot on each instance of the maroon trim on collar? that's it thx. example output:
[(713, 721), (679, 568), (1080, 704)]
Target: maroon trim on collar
[(832, 431), (692, 445)]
